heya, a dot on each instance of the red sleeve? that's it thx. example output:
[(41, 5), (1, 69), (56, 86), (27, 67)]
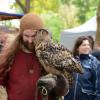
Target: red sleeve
[(3, 80)]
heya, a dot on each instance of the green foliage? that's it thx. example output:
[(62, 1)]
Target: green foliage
[(87, 9), (69, 15), (16, 7), (54, 23), (43, 6), (7, 23), (61, 14)]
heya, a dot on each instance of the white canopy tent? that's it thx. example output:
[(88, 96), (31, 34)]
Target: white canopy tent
[(69, 36)]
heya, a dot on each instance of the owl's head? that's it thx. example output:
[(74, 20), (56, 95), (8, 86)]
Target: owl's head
[(42, 35)]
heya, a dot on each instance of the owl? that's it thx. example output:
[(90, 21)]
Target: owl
[(55, 58)]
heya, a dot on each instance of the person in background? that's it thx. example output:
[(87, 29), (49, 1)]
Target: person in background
[(91, 39), (3, 39), (19, 66), (95, 51), (87, 85)]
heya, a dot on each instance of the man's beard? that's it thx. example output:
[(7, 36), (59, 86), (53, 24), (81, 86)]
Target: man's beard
[(29, 46)]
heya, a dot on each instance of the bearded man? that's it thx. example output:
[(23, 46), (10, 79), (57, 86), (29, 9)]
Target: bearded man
[(19, 66)]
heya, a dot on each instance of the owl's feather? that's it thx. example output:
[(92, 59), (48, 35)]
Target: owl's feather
[(55, 55)]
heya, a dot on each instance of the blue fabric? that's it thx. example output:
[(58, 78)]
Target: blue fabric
[(96, 54), (87, 85)]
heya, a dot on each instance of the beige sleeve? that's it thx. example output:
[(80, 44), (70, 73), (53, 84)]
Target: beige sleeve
[(3, 93)]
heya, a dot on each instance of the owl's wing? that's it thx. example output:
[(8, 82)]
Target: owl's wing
[(58, 57)]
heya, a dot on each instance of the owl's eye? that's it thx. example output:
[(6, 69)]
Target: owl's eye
[(43, 30)]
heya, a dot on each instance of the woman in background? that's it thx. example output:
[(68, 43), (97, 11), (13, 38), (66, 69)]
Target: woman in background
[(87, 85)]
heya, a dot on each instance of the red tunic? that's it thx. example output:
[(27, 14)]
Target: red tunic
[(22, 78), (21, 82)]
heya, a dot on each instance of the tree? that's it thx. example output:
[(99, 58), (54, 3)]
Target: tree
[(97, 37), (24, 6), (63, 13)]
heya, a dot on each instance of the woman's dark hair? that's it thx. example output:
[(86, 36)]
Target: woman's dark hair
[(91, 41), (78, 42)]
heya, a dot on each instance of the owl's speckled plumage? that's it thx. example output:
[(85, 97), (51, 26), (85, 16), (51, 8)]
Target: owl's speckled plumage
[(55, 58)]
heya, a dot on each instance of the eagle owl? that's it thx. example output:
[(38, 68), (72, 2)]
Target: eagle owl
[(55, 58)]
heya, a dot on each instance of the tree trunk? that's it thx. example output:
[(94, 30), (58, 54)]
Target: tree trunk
[(97, 37), (25, 8)]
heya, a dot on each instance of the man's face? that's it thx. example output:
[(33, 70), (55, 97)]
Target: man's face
[(28, 37)]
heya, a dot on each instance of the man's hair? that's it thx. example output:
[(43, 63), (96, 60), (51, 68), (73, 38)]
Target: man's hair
[(28, 21)]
